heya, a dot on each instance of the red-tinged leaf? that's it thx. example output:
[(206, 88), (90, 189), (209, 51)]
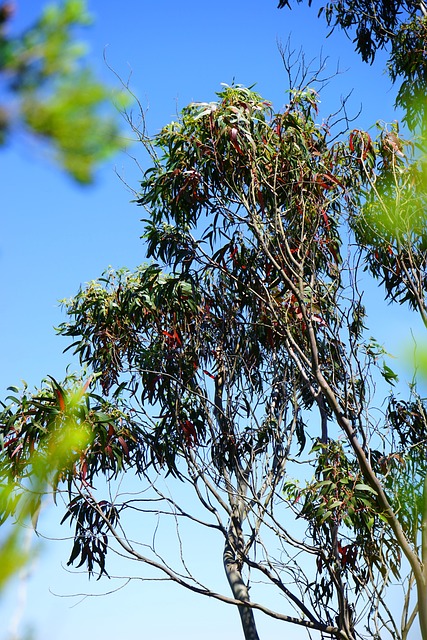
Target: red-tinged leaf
[(172, 339), (325, 218), (61, 400), (189, 432), (233, 138), (324, 185), (333, 179), (319, 320), (86, 384), (299, 315), (16, 450), (83, 471), (367, 144), (233, 253), (333, 253), (124, 445)]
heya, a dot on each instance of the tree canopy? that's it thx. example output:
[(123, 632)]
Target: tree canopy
[(237, 362), (400, 27), (50, 91)]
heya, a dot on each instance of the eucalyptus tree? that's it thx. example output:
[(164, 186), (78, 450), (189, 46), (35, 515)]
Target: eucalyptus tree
[(236, 363)]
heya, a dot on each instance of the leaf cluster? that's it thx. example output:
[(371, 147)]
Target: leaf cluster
[(61, 434), (338, 502), (90, 537), (408, 63), (391, 222), (400, 28), (373, 24)]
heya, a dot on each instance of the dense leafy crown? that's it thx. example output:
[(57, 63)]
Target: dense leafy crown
[(243, 340), (226, 303)]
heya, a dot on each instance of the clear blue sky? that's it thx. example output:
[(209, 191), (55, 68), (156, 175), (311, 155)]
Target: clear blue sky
[(55, 236)]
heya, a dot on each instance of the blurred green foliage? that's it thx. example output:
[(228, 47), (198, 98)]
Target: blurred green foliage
[(49, 90), (67, 435)]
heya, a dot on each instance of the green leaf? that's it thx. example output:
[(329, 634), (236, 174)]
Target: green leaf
[(335, 504), (389, 375), (364, 487)]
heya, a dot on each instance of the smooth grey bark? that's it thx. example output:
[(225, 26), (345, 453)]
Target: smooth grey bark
[(240, 590)]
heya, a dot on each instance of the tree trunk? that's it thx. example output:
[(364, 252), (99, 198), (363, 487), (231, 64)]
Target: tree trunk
[(240, 591)]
